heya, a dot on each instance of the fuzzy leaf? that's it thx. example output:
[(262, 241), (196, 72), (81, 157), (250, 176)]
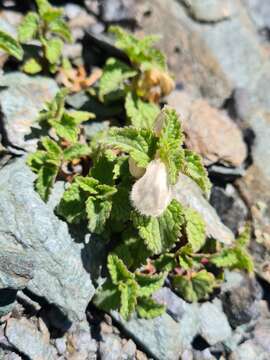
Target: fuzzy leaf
[(76, 152), (98, 213), (195, 288), (45, 180), (54, 151), (72, 204), (193, 167), (140, 51), (128, 292), (32, 66), (121, 206), (118, 270), (140, 113), (139, 144), (28, 28), (66, 128), (160, 233), (36, 160), (53, 50), (170, 134), (60, 27), (115, 73), (43, 6), (10, 45), (165, 262), (148, 284), (195, 229), (233, 258), (243, 238), (80, 116), (108, 297), (148, 308)]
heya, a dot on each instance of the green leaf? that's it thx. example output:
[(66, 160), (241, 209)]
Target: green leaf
[(32, 66), (160, 233), (193, 167), (72, 204), (128, 292), (43, 6), (121, 206), (244, 237), (54, 151), (115, 73), (233, 258), (118, 270), (80, 116), (140, 113), (45, 180), (196, 287), (52, 15), (28, 28), (10, 45), (60, 27), (36, 160), (132, 251), (148, 308), (185, 259), (140, 51), (76, 151), (107, 298), (87, 184), (148, 284), (195, 229), (53, 50), (168, 128), (98, 213), (66, 128), (165, 262), (139, 144)]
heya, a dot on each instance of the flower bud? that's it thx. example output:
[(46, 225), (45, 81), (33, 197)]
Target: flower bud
[(135, 170), (151, 194)]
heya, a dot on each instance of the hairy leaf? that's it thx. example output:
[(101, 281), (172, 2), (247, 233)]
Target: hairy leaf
[(53, 50), (195, 229), (76, 151), (118, 270), (98, 213), (10, 45), (165, 262), (28, 28), (115, 73), (128, 302), (32, 66), (45, 180), (140, 113), (195, 287), (107, 298), (160, 234), (60, 27), (193, 167), (148, 308), (148, 284), (168, 128)]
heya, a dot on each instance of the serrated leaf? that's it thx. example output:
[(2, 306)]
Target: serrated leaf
[(108, 297), (113, 78), (52, 14), (54, 151), (140, 113), (244, 237), (128, 292), (132, 250), (121, 206), (45, 180), (32, 66), (66, 128), (28, 28), (98, 213), (80, 116), (140, 51), (76, 151), (43, 6), (170, 133), (118, 270), (10, 45), (193, 167), (53, 50), (160, 233), (36, 160), (72, 205), (196, 287), (87, 184), (148, 308), (195, 229), (165, 262), (148, 284), (61, 28), (226, 258), (139, 144)]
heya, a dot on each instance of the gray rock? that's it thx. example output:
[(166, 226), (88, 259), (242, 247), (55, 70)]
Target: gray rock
[(20, 101), (25, 337), (189, 194), (262, 334), (209, 10), (110, 347), (29, 226), (117, 10), (160, 337), (61, 345), (214, 326), (8, 355), (259, 11), (229, 206), (249, 350), (129, 350), (241, 300), (187, 315)]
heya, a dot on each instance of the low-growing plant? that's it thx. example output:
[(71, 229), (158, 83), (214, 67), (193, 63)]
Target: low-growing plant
[(124, 193), (48, 27)]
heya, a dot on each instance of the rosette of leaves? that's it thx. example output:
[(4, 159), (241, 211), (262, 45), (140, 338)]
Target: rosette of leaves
[(141, 83), (49, 28)]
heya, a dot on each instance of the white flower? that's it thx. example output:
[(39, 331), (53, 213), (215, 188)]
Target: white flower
[(151, 194)]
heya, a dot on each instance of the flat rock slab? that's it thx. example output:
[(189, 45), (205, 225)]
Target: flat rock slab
[(29, 227), (21, 99)]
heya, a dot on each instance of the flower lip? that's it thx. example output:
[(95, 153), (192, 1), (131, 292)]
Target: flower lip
[(151, 194)]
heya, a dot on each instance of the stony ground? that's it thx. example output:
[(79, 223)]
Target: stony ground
[(219, 52)]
